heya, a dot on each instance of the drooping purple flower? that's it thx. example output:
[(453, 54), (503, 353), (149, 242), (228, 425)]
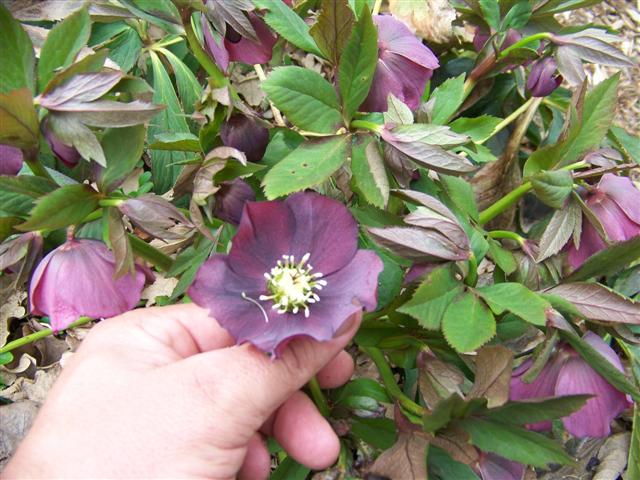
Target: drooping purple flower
[(245, 134), (615, 201), (294, 269), (154, 215), (543, 77), (231, 199), (10, 160), (67, 154), (77, 279), (495, 467), (567, 373), (404, 66), (481, 37)]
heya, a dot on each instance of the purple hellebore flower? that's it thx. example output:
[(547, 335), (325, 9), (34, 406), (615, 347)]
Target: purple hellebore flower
[(65, 153), (236, 48), (245, 134), (10, 160), (230, 200), (294, 269), (76, 279), (404, 66), (616, 202), (543, 78), (495, 467), (480, 38), (568, 374)]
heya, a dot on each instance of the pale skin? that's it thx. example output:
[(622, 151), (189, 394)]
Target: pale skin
[(164, 393)]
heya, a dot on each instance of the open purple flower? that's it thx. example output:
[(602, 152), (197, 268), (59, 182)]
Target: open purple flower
[(543, 77), (568, 374), (77, 279), (230, 200), (245, 134), (67, 154), (294, 269), (404, 66), (616, 202), (10, 160)]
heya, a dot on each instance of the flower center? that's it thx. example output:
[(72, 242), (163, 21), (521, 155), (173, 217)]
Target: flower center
[(292, 285)]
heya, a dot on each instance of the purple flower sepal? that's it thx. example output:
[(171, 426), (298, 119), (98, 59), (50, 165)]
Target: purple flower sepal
[(495, 467), (77, 279), (230, 200), (10, 160), (481, 37), (67, 154), (567, 373), (543, 78), (294, 269), (404, 66), (245, 134), (615, 201)]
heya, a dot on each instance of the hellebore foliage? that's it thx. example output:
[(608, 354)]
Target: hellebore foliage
[(286, 164)]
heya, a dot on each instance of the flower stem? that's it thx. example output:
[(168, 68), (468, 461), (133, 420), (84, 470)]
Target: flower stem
[(277, 116), (41, 334), (111, 202), (472, 276), (318, 397), (504, 123), (521, 43), (95, 215), (216, 76), (374, 127), (31, 158), (506, 234), (150, 254), (389, 381), (504, 203), (376, 7)]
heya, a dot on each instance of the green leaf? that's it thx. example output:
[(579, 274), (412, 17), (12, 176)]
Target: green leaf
[(502, 257), (467, 323), (309, 164), (63, 43), (305, 97), (158, 12), (517, 17), (397, 112), (172, 119), (461, 194), (289, 25), (369, 174), (358, 64), (537, 410), (377, 432), (447, 98), (432, 297), (491, 13), (363, 387), (633, 464), (289, 469), (122, 148), (188, 86), (333, 27), (564, 223), (17, 54), (553, 187), (514, 443), (517, 299), (453, 407), (17, 194), (478, 128), (628, 144), (71, 131), (19, 124), (282, 143), (608, 261), (183, 142), (63, 207), (125, 49), (442, 466)]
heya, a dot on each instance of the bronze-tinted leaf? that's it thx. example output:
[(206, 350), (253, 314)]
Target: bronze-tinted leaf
[(406, 460), (494, 364)]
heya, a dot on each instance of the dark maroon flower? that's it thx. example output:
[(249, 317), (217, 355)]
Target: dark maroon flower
[(481, 37), (495, 467), (154, 215), (10, 160), (567, 373), (404, 66), (616, 202), (245, 134), (294, 269), (77, 279), (67, 154), (543, 77), (230, 200)]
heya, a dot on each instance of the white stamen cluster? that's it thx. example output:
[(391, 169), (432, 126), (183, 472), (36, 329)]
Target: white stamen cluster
[(292, 285)]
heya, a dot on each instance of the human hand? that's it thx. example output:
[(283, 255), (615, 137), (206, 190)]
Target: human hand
[(163, 392)]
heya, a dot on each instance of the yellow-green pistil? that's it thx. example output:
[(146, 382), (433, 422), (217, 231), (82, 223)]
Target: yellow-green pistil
[(293, 286)]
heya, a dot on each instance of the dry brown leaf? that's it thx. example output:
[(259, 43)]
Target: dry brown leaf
[(161, 286), (11, 308), (405, 460), (613, 457), (35, 390), (429, 19), (493, 374), (16, 421), (438, 380)]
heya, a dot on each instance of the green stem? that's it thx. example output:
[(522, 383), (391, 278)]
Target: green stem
[(216, 76), (472, 276), (376, 7), (508, 120), (374, 127), (111, 202), (504, 203), (151, 254), (469, 84), (41, 334), (318, 397), (95, 215), (506, 234), (389, 381), (576, 165), (31, 158), (521, 43)]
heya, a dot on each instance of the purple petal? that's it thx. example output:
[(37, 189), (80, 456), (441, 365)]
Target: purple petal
[(214, 45), (245, 134), (590, 243), (265, 234), (616, 223), (594, 419), (10, 160), (395, 37), (325, 229), (624, 193), (246, 51), (543, 78), (67, 154), (230, 200), (76, 279), (495, 467)]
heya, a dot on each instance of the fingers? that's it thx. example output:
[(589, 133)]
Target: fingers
[(337, 372), (257, 463), (305, 434)]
